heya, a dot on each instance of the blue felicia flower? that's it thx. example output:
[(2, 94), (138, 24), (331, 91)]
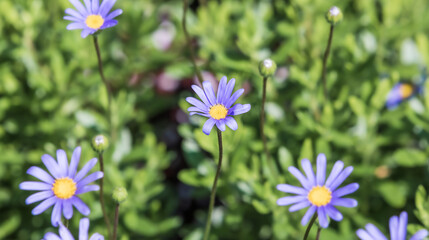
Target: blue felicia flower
[(66, 235), (398, 230), (217, 109), (61, 187), (398, 94), (320, 195), (91, 17)]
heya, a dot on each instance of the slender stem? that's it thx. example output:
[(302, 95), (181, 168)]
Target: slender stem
[(106, 85), (103, 208), (318, 233), (115, 226), (188, 40), (66, 223), (325, 60), (264, 139), (213, 193), (309, 226)]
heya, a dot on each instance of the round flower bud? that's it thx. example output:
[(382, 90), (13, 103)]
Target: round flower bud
[(120, 194), (100, 143), (267, 67), (334, 15)]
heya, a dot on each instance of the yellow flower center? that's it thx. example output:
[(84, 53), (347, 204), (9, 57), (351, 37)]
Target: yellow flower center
[(218, 111), (319, 196), (406, 90), (64, 188), (94, 21)]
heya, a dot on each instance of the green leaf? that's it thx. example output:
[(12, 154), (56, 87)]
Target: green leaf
[(394, 193), (410, 158)]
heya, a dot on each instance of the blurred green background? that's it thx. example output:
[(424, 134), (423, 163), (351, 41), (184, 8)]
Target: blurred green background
[(51, 97)]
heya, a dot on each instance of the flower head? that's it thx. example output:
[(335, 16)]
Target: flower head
[(317, 193), (398, 94), (398, 230), (267, 67), (91, 17), (218, 108), (334, 15), (100, 143), (61, 187), (66, 235)]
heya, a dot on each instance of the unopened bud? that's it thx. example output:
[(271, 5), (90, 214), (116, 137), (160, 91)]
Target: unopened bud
[(100, 143), (267, 68), (120, 194), (334, 15)]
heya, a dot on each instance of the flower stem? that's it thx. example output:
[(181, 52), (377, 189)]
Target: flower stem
[(264, 139), (313, 219), (325, 60), (103, 208), (106, 85), (115, 226), (318, 233), (188, 40), (213, 192)]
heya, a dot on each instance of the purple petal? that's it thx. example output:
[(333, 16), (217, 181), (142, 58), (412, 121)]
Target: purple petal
[(351, 188), (221, 125), (73, 19), (420, 235), (228, 91), (221, 90), (195, 109), (292, 189), (340, 179), (91, 178), (199, 113), (88, 166), (51, 165), (56, 214), (114, 14), (310, 212), (95, 6), (86, 189), (207, 128), (105, 7), (39, 196), (198, 104), (375, 232), (80, 206), (336, 170), (35, 186), (44, 205), (51, 236), (402, 229), (62, 162), (65, 233), (333, 213), (238, 109), (299, 206), (76, 25), (96, 236), (208, 89), (67, 208), (306, 166), (74, 162), (75, 14), (234, 98), (321, 169), (284, 201), (88, 6), (40, 174), (344, 202), (363, 235), (323, 220), (109, 23), (304, 182), (393, 225), (231, 123), (79, 6), (86, 31), (201, 95), (83, 228)]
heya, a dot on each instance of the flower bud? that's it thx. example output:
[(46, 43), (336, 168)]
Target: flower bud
[(100, 143), (334, 15), (120, 194), (267, 67)]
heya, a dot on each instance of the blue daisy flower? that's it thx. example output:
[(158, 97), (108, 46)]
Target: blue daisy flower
[(61, 187), (398, 230), (66, 235), (317, 193), (91, 17), (399, 93), (218, 108)]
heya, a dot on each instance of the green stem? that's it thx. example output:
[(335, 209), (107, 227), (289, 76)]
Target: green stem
[(106, 85), (188, 40), (318, 233), (264, 139), (213, 192), (325, 60), (313, 219), (103, 208), (115, 226)]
